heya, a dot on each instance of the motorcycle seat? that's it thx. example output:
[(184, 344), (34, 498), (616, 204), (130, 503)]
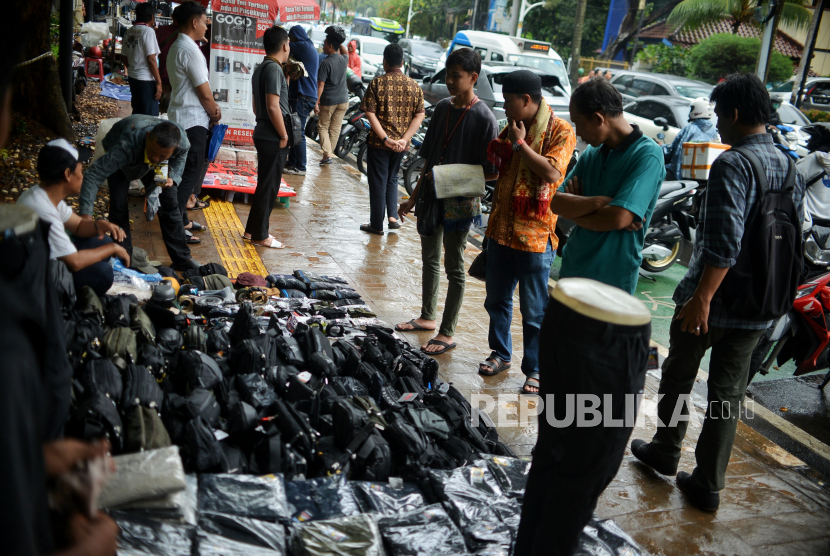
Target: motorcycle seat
[(670, 187)]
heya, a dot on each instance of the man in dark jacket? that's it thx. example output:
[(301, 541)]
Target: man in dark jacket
[(302, 93)]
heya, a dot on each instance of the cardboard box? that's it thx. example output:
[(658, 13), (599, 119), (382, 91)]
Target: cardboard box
[(698, 159)]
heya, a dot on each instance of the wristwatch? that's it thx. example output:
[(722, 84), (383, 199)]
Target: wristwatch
[(518, 145)]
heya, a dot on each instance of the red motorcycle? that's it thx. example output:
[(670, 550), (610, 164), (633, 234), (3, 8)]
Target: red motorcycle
[(803, 334)]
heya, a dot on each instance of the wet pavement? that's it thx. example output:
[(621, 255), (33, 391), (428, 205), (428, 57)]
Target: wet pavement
[(774, 503)]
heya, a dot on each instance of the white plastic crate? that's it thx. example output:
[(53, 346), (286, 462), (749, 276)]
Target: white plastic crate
[(698, 159)]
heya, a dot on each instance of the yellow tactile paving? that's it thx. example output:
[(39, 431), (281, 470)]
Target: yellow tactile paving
[(237, 255)]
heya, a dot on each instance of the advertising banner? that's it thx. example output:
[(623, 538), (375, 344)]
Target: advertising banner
[(236, 51)]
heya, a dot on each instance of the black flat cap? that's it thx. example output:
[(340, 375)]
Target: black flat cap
[(522, 82)]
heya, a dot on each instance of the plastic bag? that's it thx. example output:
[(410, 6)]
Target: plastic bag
[(148, 536), (244, 495), (152, 203), (208, 544), (605, 538), (322, 498), (93, 33), (191, 498), (347, 536), (422, 532), (245, 530), (467, 483), (144, 475), (481, 526), (511, 473), (118, 266), (383, 500)]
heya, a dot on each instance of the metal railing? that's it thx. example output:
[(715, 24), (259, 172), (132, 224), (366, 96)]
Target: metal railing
[(590, 63)]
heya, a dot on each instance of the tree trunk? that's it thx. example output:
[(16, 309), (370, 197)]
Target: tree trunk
[(37, 92), (576, 49), (628, 27)]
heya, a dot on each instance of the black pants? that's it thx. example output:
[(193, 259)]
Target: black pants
[(573, 465), (382, 167), (170, 216), (97, 276), (269, 175), (192, 175), (143, 97)]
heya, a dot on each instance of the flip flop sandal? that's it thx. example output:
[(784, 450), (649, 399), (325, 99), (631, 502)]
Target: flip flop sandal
[(199, 205), (447, 347), (192, 240), (394, 225), (273, 245), (533, 382), (415, 327), (496, 364), (195, 227)]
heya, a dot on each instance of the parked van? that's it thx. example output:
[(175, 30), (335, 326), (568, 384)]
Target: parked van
[(493, 47), (377, 27)]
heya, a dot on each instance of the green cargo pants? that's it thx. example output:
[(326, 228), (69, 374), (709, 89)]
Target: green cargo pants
[(454, 244), (728, 372)]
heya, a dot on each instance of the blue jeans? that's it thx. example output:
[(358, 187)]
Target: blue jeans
[(507, 267), (97, 276), (303, 106)]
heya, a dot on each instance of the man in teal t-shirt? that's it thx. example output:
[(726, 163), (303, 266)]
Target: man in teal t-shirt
[(611, 192)]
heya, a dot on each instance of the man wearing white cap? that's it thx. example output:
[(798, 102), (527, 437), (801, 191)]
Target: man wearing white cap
[(701, 128), (87, 252)]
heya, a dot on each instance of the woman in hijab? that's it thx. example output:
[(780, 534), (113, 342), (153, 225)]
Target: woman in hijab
[(354, 59)]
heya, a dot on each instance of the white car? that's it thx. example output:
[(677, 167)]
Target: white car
[(370, 50), (660, 114)]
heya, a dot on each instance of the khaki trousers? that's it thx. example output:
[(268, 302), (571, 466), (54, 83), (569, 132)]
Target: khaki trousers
[(328, 125)]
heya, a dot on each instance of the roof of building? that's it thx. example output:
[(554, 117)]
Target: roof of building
[(784, 43)]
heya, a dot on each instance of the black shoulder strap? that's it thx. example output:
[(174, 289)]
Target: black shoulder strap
[(757, 167)]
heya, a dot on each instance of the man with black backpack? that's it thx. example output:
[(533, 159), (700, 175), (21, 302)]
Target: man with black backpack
[(744, 273)]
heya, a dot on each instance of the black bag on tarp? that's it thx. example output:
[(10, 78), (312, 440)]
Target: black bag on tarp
[(254, 390), (480, 525), (103, 375), (140, 388), (511, 473), (357, 535), (245, 326), (218, 341), (247, 357), (208, 544), (199, 369), (203, 403), (117, 312), (468, 483), (243, 529), (321, 498), (151, 357), (234, 459), (95, 417), (245, 496), (385, 500), (420, 532), (170, 341), (201, 451), (149, 536)]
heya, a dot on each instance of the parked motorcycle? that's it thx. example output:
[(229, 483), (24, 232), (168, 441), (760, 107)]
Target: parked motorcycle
[(802, 334)]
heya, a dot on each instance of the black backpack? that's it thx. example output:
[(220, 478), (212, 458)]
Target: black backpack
[(247, 358), (140, 388), (104, 376), (762, 283), (96, 416)]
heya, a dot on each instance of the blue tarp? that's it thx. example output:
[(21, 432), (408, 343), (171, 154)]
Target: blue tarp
[(111, 90)]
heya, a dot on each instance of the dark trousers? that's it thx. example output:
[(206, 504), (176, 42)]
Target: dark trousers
[(269, 174), (97, 276), (192, 174), (303, 106), (728, 373), (382, 167), (170, 215), (572, 465), (143, 97)]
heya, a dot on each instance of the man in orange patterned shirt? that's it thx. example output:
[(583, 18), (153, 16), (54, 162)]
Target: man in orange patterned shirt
[(532, 153)]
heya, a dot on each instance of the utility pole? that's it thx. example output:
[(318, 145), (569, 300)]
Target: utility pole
[(523, 12), (807, 54), (65, 40), (576, 44), (770, 23), (408, 18), (475, 10)]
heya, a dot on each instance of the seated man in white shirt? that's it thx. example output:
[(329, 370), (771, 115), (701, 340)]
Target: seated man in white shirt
[(87, 253)]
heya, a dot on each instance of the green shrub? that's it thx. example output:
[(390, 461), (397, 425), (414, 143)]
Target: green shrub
[(671, 60), (722, 54), (817, 115)]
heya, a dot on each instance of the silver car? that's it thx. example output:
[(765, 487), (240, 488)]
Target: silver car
[(816, 94), (635, 84)]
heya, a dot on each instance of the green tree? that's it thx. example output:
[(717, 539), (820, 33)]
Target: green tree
[(722, 54), (670, 60), (691, 14)]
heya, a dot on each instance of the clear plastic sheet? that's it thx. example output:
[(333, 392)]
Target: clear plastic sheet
[(383, 500), (347, 536), (140, 535), (244, 495), (511, 473), (245, 530), (481, 526), (606, 538), (422, 532), (208, 544), (321, 498), (143, 475), (467, 483)]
